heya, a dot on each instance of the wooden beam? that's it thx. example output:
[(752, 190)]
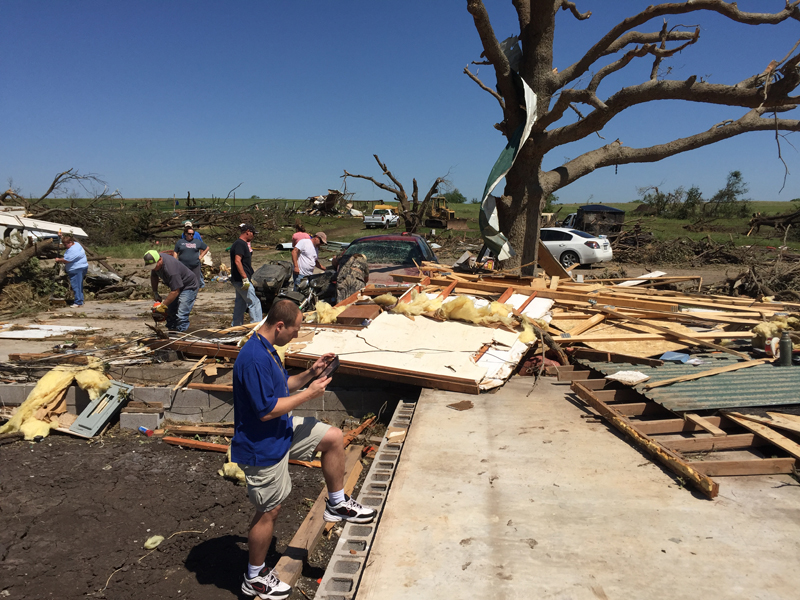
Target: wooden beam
[(290, 565), (670, 333), (530, 298), (349, 436), (448, 290), (199, 430), (549, 263), (708, 373), (663, 426), (665, 456), (779, 440), (762, 466), (775, 421), (701, 339), (195, 444), (554, 282), (711, 443), (586, 325), (704, 424), (506, 295), (211, 387), (191, 371)]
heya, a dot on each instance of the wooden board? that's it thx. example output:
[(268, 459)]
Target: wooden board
[(708, 373), (711, 443), (763, 466), (290, 565), (355, 314), (549, 263), (704, 424), (781, 441)]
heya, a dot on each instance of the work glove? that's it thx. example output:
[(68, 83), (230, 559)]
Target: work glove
[(157, 297), (161, 308), (245, 284)]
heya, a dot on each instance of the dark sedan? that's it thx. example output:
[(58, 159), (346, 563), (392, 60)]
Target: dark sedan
[(391, 254)]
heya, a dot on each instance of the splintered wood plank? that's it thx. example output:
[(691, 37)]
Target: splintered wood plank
[(554, 282), (781, 441), (665, 456), (729, 468), (448, 290), (530, 298), (709, 373), (775, 421), (549, 263), (305, 540), (704, 424)]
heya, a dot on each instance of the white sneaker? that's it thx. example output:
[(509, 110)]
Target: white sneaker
[(266, 586), (349, 510)]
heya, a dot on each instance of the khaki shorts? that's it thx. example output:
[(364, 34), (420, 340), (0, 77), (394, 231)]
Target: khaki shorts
[(267, 487)]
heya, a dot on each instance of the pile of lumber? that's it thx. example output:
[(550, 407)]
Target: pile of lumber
[(624, 316)]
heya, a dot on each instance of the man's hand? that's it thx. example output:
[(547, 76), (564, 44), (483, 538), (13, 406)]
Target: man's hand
[(245, 284), (157, 297), (161, 308), (317, 387), (320, 364)]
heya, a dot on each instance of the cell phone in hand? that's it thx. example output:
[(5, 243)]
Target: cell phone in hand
[(331, 368)]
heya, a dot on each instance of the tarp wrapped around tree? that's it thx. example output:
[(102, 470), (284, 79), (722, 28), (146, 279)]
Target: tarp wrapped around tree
[(599, 220)]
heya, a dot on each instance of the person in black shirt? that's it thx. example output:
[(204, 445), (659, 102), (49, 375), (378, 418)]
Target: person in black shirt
[(241, 271)]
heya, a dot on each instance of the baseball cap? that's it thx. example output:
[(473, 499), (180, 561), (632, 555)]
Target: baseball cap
[(187, 225), (321, 235), (247, 227), (151, 257)]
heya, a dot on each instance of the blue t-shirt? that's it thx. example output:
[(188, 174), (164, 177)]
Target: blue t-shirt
[(76, 258), (259, 379)]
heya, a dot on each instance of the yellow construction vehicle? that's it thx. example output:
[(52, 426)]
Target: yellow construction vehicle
[(439, 216)]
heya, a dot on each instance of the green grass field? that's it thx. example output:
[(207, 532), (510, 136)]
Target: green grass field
[(346, 229)]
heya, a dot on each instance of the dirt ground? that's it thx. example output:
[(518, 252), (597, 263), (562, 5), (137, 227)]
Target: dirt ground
[(75, 516)]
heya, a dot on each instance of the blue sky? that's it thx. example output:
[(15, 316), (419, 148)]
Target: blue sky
[(159, 98)]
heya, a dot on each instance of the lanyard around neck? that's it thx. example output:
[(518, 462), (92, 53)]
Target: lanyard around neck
[(281, 368)]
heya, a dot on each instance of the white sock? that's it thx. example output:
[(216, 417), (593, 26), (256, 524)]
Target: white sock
[(253, 571), (335, 498)]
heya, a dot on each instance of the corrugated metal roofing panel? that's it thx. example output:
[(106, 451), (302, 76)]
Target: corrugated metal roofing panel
[(762, 385)]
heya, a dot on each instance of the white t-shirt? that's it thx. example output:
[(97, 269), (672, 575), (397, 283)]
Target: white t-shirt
[(308, 256)]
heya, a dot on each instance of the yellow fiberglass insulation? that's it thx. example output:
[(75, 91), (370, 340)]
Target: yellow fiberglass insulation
[(385, 300), (463, 309), (420, 303), (231, 470), (49, 386), (325, 313), (93, 382), (773, 328)]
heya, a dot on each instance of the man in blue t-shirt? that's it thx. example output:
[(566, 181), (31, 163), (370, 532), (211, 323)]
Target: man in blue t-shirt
[(267, 436)]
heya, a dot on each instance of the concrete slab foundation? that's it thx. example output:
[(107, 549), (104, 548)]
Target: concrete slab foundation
[(518, 497)]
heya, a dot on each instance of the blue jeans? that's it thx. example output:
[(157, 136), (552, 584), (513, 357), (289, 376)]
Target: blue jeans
[(76, 283), (297, 279), (245, 300), (178, 311)]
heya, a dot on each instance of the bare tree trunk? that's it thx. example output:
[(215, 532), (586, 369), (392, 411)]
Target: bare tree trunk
[(20, 259)]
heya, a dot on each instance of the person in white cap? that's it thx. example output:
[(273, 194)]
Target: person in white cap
[(305, 256)]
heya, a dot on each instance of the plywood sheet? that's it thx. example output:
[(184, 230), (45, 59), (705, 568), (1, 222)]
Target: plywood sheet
[(641, 349), (421, 345)]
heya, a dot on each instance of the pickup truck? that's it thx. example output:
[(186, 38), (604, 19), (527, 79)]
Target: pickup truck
[(382, 217)]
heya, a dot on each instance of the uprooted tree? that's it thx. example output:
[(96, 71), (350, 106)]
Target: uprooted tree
[(412, 211), (560, 92)]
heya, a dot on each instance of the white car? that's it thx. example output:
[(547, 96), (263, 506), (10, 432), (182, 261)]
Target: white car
[(571, 246)]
